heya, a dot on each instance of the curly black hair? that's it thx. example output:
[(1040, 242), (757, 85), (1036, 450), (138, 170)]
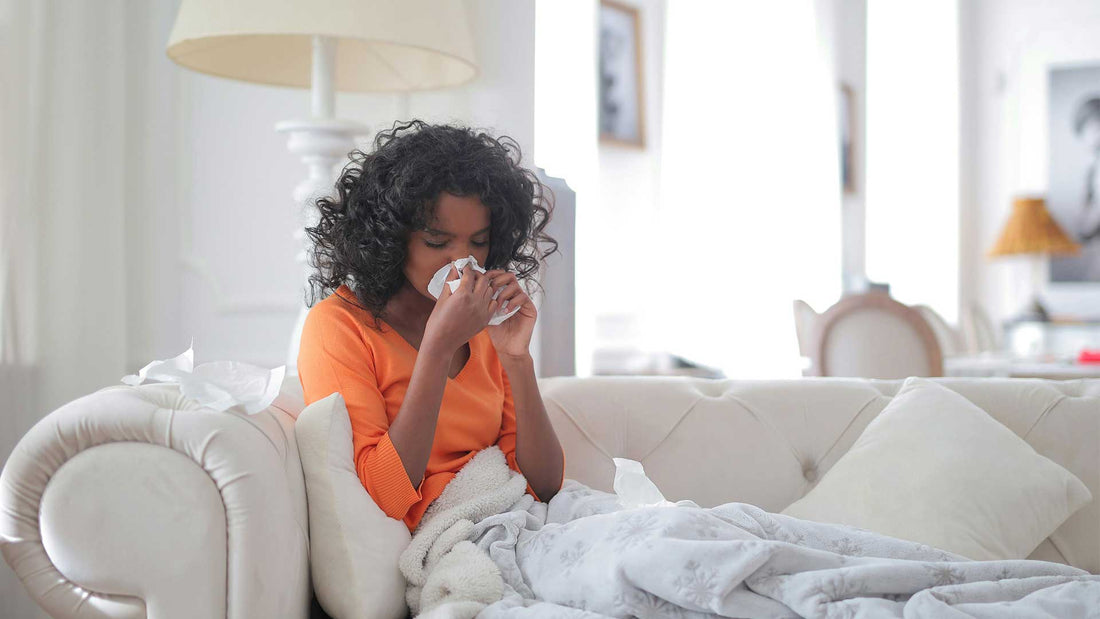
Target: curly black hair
[(361, 235)]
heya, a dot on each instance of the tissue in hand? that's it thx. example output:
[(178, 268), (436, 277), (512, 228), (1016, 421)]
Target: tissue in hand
[(435, 287), (219, 385), (633, 487)]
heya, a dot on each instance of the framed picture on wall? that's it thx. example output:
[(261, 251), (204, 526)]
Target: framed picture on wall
[(1074, 174), (846, 111), (621, 95)]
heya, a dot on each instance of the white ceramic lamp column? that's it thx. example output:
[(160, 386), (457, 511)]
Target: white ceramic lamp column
[(325, 45)]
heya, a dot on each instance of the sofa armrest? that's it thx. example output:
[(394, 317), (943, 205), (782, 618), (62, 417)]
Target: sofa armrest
[(135, 502)]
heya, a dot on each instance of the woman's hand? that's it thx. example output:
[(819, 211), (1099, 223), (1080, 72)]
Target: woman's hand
[(511, 338), (460, 315)]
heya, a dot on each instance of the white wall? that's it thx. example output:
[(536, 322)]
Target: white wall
[(628, 193), (1004, 48), (630, 177)]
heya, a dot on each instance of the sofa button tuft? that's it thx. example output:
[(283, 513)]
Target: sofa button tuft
[(810, 473)]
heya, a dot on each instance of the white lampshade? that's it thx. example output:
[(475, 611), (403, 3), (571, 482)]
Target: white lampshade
[(381, 45)]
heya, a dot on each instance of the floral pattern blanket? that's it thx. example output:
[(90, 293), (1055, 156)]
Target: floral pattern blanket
[(583, 555)]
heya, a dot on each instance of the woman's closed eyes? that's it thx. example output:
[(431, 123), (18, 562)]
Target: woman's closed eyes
[(442, 245)]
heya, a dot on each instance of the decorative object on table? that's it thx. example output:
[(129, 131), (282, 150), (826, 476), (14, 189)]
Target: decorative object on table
[(218, 385), (1060, 339), (1089, 356), (349, 45), (874, 336), (1031, 231), (621, 91), (1073, 193), (846, 112)]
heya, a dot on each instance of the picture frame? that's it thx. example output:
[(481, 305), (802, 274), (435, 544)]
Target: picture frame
[(846, 120), (621, 99), (1026, 82), (1073, 177)]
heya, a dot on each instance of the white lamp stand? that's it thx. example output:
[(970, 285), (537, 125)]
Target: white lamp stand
[(323, 142)]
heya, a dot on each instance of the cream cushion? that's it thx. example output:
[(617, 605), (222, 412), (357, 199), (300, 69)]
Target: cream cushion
[(354, 546), (935, 468)]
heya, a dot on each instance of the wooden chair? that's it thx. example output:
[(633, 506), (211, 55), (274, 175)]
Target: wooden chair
[(874, 336)]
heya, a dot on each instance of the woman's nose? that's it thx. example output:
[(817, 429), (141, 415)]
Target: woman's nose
[(469, 252)]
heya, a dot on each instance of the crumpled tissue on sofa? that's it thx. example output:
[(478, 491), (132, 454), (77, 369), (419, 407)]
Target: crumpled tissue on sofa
[(219, 385)]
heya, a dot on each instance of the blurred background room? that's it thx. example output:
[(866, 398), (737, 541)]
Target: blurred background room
[(744, 189)]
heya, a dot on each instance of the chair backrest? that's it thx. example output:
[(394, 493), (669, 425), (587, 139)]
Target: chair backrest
[(978, 330), (950, 339), (873, 336), (804, 318)]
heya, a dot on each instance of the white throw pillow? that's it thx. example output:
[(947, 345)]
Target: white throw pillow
[(935, 468), (354, 546)]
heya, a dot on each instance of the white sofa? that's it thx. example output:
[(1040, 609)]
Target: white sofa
[(133, 502)]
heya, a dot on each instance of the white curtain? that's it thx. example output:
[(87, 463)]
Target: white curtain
[(63, 100), (750, 191), (18, 120), (63, 165)]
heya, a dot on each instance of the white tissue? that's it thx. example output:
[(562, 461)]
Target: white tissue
[(435, 287), (634, 488), (219, 385)]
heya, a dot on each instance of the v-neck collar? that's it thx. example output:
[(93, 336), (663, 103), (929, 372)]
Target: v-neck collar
[(399, 337), (469, 360)]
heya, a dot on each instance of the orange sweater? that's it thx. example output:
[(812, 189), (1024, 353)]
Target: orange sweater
[(341, 351)]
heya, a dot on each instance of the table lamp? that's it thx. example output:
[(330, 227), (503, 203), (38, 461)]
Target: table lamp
[(1032, 231), (325, 45)]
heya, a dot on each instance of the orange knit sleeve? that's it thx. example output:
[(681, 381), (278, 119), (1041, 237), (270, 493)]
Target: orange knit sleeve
[(507, 439), (333, 357)]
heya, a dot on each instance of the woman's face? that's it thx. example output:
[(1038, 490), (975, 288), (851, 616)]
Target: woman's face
[(460, 228)]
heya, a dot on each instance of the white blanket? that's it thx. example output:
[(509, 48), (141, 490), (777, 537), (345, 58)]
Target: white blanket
[(582, 555)]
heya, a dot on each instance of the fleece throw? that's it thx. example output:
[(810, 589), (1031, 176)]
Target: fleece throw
[(441, 564)]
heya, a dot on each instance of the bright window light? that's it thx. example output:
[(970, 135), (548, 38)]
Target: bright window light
[(750, 187), (912, 151)]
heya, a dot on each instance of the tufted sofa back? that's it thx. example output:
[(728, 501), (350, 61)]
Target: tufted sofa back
[(767, 442)]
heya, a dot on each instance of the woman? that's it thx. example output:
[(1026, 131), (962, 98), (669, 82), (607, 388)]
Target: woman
[(427, 382)]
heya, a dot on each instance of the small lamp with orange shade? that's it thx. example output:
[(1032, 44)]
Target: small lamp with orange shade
[(1032, 231)]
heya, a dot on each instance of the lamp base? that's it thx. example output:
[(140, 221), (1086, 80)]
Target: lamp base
[(323, 144)]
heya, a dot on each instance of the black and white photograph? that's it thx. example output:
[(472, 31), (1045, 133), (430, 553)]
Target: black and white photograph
[(1074, 196), (620, 99)]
